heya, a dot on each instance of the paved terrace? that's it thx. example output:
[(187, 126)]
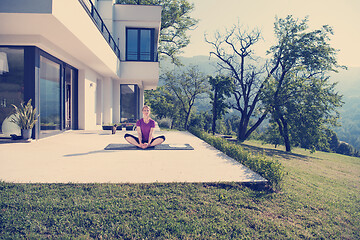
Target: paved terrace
[(79, 157)]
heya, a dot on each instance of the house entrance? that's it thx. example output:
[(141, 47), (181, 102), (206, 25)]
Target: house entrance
[(58, 100)]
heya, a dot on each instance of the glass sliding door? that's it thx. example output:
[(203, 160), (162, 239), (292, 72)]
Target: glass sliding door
[(129, 102), (50, 98)]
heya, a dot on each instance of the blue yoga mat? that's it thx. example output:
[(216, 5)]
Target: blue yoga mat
[(114, 146)]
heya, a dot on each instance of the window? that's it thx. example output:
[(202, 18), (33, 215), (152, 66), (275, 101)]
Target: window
[(140, 45), (11, 83), (30, 73), (129, 102), (50, 108)]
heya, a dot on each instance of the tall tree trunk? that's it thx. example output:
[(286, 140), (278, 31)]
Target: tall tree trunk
[(213, 126), (256, 125), (284, 132), (241, 134), (243, 127), (187, 119)]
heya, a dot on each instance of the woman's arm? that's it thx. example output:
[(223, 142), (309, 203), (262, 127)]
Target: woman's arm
[(151, 135), (138, 129)]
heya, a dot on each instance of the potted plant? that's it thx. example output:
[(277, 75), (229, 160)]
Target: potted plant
[(110, 126), (130, 126), (25, 117)]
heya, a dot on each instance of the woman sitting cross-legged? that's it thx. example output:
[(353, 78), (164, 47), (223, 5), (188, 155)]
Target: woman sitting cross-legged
[(145, 128)]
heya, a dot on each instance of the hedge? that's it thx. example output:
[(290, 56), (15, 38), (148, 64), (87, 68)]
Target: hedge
[(270, 169)]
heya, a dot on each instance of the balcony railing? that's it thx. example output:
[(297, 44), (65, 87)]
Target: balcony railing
[(95, 16)]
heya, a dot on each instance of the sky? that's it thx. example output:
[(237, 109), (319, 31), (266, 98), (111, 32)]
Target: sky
[(219, 15)]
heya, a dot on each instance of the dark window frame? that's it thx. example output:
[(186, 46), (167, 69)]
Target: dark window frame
[(153, 57)]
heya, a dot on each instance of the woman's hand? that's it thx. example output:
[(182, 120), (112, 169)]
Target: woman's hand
[(144, 145)]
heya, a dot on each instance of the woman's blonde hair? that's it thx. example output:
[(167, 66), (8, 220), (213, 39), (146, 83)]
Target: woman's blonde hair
[(146, 106)]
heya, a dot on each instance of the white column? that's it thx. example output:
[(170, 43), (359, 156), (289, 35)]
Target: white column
[(141, 103), (99, 102), (116, 101), (81, 99), (107, 101), (89, 101)]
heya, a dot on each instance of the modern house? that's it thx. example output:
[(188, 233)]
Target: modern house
[(84, 63)]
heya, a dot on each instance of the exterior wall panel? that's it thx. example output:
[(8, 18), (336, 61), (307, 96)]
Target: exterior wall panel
[(26, 6), (72, 15), (148, 76), (108, 101), (90, 100)]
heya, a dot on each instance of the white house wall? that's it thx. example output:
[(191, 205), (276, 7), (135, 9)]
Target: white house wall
[(108, 100), (87, 100), (105, 9), (68, 27), (84, 29), (99, 101), (142, 73), (146, 73), (97, 97)]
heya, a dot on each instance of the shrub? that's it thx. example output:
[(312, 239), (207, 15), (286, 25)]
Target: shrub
[(270, 169), (345, 149), (165, 123), (201, 120)]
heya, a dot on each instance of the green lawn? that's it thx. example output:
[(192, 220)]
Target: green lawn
[(320, 199)]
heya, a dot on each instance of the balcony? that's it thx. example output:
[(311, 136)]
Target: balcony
[(95, 16)]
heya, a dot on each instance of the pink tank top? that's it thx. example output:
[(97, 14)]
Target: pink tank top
[(145, 128)]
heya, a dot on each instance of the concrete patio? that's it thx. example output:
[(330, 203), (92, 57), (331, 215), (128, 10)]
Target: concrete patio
[(79, 157)]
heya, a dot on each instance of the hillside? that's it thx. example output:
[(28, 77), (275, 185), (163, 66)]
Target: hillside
[(349, 86)]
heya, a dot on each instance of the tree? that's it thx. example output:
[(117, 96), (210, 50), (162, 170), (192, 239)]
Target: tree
[(163, 104), (271, 135), (294, 90), (201, 120), (175, 22), (187, 85), (221, 86), (234, 50), (297, 92)]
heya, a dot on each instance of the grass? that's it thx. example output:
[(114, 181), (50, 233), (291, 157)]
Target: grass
[(270, 169), (319, 200)]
